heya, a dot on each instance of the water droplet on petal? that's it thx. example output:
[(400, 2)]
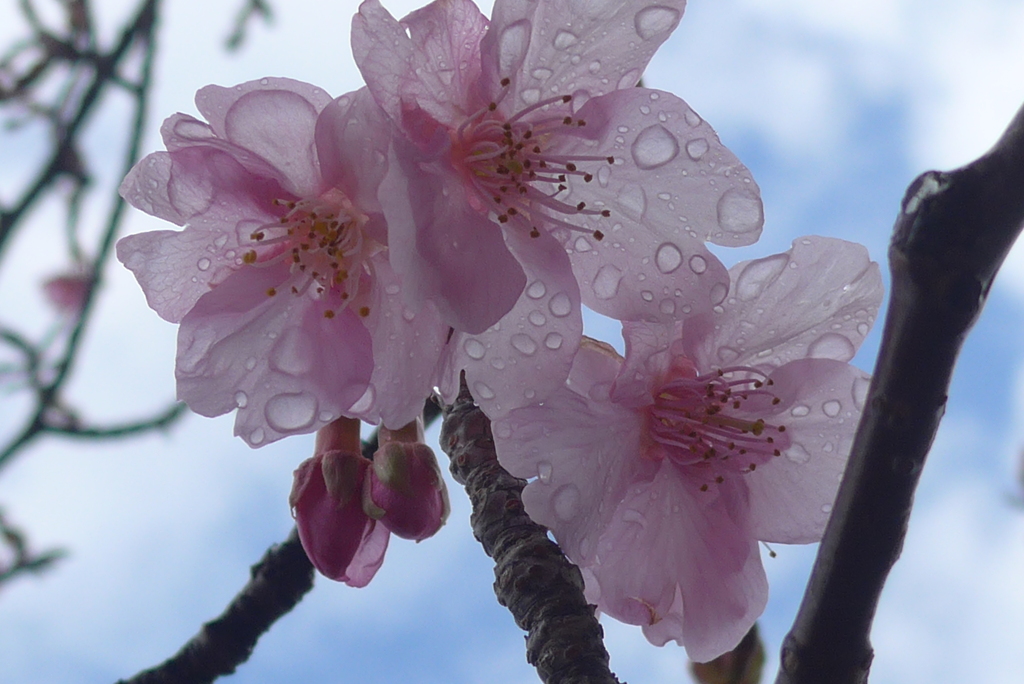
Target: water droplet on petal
[(553, 341), (256, 437), (758, 275), (530, 95), (291, 411), (654, 147), (668, 257), (594, 67), (698, 264), (860, 392), (536, 290), (863, 328), (537, 318), (632, 515), (697, 148), (800, 410), (566, 501), (797, 454), (667, 307), (606, 282), (220, 241), (203, 264), (692, 118), (474, 348), (241, 399), (293, 354), (524, 344), (365, 402), (541, 73), (727, 354), (582, 244), (564, 40), (740, 211), (544, 470), (647, 296), (654, 20), (629, 79), (502, 429), (633, 201), (393, 289), (832, 408), (603, 174), (250, 363), (482, 391), (826, 508), (831, 346), (512, 45), (718, 293), (560, 305)]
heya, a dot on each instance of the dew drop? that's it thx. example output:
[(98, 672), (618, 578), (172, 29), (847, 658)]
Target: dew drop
[(536, 290), (603, 174), (502, 429), (718, 293), (632, 515), (203, 264), (553, 341), (860, 392), (250, 363), (365, 402), (530, 95), (220, 241), (727, 354), (831, 346), (241, 399), (291, 411), (758, 275), (647, 296), (629, 79), (740, 211), (668, 257), (393, 289), (524, 344), (325, 417), (667, 307), (654, 20), (606, 282), (544, 470), (697, 148), (826, 508), (256, 437), (482, 391), (832, 408), (863, 328), (541, 73), (294, 352), (692, 118), (582, 244), (566, 501), (633, 201), (560, 305), (474, 348), (564, 40), (537, 318), (800, 410), (698, 264), (797, 454), (654, 147), (512, 46)]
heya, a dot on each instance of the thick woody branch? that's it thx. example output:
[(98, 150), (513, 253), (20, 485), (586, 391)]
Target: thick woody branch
[(539, 586), (951, 236)]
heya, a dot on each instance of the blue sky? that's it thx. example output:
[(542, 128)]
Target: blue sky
[(835, 107)]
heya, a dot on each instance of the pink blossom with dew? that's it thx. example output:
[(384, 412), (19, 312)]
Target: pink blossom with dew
[(531, 160), (340, 539), (660, 473), (290, 311)]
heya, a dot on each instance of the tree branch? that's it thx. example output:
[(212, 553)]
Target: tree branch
[(950, 239), (539, 586)]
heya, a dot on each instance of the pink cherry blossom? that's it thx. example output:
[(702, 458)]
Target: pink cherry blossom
[(531, 162), (68, 290), (290, 311), (660, 473)]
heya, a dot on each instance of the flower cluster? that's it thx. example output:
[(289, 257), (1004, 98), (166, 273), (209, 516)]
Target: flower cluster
[(343, 258)]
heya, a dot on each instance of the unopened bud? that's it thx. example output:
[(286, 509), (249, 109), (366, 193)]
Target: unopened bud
[(405, 490)]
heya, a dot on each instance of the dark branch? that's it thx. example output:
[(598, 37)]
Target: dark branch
[(950, 239), (159, 422), (539, 586), (281, 578)]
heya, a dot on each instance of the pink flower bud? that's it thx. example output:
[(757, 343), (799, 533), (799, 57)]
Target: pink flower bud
[(405, 490), (67, 291), (340, 540)]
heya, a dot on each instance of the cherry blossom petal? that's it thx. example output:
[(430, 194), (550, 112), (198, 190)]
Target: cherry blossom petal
[(276, 359), (445, 249), (369, 557), (577, 45), (791, 497), (817, 300), (352, 138), (406, 347), (526, 355), (215, 102), (671, 172), (667, 539)]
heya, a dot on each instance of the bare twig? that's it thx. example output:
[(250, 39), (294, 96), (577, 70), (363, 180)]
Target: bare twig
[(950, 239), (539, 586)]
